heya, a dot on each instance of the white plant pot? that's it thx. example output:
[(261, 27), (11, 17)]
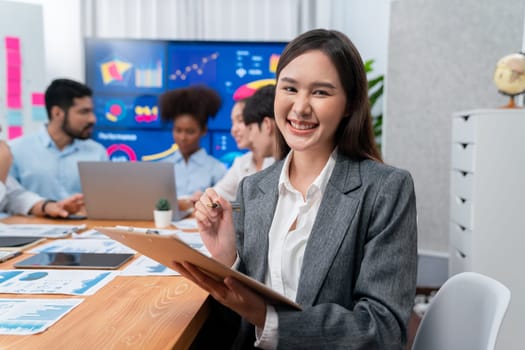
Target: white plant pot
[(162, 218)]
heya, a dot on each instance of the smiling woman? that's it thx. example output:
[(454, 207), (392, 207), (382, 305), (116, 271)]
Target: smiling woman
[(325, 225), (309, 106)]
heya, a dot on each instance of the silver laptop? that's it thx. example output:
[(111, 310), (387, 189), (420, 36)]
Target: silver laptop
[(127, 190)]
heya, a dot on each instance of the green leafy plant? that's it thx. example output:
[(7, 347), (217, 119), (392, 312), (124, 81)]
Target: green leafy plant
[(163, 204), (375, 91)]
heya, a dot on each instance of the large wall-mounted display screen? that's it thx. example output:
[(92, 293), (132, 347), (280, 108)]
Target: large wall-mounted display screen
[(127, 77)]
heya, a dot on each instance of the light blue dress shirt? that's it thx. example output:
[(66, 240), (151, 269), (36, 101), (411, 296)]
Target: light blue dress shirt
[(200, 172), (42, 168)]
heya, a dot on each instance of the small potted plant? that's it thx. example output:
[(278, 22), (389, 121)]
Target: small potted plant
[(162, 214)]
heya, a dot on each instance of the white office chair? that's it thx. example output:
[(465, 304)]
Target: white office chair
[(465, 314)]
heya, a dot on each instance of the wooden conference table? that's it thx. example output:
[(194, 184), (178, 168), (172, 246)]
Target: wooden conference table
[(131, 312)]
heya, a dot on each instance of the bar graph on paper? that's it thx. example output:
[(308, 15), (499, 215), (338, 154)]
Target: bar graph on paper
[(31, 316)]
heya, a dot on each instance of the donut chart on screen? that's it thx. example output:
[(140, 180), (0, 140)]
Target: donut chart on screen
[(115, 152), (247, 90)]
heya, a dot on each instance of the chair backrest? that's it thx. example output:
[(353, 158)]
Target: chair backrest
[(465, 314)]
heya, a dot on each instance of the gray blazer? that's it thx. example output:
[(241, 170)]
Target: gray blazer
[(358, 279)]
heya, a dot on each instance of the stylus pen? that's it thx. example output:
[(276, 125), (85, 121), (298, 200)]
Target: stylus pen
[(140, 230), (10, 255), (236, 206)]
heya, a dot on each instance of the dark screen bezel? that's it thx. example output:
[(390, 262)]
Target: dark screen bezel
[(45, 260)]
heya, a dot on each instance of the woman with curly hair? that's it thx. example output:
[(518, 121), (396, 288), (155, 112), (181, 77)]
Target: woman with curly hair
[(189, 109)]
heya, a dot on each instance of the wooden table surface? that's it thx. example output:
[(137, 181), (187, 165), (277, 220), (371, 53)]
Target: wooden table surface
[(131, 312)]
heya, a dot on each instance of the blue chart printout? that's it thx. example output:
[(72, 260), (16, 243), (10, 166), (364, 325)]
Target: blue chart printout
[(39, 230), (82, 246), (86, 282), (31, 316), (144, 266)]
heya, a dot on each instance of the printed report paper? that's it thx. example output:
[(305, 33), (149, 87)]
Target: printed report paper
[(144, 266), (71, 282), (31, 316), (82, 246), (39, 230)]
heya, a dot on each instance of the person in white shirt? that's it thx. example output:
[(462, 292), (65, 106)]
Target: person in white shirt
[(329, 225), (247, 164), (259, 118), (14, 199)]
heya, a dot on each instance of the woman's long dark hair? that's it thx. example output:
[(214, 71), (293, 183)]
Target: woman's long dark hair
[(354, 135)]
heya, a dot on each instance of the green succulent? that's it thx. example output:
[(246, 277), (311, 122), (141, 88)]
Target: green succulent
[(163, 204)]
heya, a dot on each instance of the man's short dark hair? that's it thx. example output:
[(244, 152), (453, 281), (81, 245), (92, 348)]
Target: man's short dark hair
[(259, 105), (62, 92)]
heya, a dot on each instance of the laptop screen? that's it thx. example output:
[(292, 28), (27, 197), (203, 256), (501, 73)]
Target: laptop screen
[(127, 190)]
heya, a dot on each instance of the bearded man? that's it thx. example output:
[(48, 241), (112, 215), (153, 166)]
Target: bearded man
[(45, 162)]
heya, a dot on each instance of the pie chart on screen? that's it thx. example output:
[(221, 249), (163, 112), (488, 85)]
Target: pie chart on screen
[(246, 90), (115, 110)]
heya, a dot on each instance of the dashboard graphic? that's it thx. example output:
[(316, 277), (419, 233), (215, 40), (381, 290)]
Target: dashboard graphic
[(136, 145), (114, 72), (128, 75)]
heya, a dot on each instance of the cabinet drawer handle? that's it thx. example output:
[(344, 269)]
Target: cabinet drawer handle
[(461, 200), (461, 254)]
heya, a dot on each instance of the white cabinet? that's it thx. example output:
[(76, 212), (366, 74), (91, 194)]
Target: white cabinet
[(487, 206)]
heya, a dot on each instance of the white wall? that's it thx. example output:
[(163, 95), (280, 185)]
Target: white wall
[(24, 22), (63, 38), (441, 59), (366, 22)]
